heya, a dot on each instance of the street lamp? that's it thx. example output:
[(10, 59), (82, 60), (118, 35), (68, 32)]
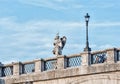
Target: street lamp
[(87, 43)]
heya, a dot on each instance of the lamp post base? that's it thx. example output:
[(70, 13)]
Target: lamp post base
[(87, 49)]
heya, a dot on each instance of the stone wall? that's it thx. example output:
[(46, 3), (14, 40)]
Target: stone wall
[(103, 78)]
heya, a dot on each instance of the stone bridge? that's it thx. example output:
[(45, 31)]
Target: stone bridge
[(96, 67)]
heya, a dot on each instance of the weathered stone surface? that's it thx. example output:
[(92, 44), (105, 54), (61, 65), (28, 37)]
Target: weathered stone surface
[(103, 73)]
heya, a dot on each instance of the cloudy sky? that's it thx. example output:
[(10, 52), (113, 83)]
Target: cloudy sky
[(28, 27)]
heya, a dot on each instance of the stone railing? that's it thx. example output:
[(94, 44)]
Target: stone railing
[(107, 56)]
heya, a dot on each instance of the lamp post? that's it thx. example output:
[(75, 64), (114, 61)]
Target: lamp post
[(87, 42)]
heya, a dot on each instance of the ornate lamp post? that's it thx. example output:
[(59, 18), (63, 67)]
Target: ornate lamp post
[(87, 43)]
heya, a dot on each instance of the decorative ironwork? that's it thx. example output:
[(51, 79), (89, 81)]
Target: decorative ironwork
[(98, 58), (50, 64), (28, 68), (118, 55), (7, 71), (74, 61)]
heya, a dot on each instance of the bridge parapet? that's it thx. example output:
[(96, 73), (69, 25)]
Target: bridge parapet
[(63, 66)]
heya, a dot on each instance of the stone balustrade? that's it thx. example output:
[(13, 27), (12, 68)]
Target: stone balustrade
[(77, 64)]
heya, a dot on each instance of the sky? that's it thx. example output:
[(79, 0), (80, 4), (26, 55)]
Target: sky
[(28, 27)]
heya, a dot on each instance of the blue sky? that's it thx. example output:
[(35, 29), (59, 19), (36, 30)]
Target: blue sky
[(28, 27)]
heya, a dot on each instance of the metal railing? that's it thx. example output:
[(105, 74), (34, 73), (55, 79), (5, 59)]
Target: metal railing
[(28, 68), (7, 71), (50, 65), (99, 57), (74, 61), (118, 55)]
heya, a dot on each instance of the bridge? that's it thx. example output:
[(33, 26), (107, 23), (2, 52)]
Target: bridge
[(95, 67)]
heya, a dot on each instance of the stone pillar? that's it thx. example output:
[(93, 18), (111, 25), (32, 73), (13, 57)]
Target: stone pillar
[(39, 65), (111, 55), (17, 68), (60, 62), (86, 58)]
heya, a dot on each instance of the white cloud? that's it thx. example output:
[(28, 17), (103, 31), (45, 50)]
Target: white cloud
[(106, 46), (101, 4), (69, 4), (53, 4), (34, 39), (105, 24), (11, 61)]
